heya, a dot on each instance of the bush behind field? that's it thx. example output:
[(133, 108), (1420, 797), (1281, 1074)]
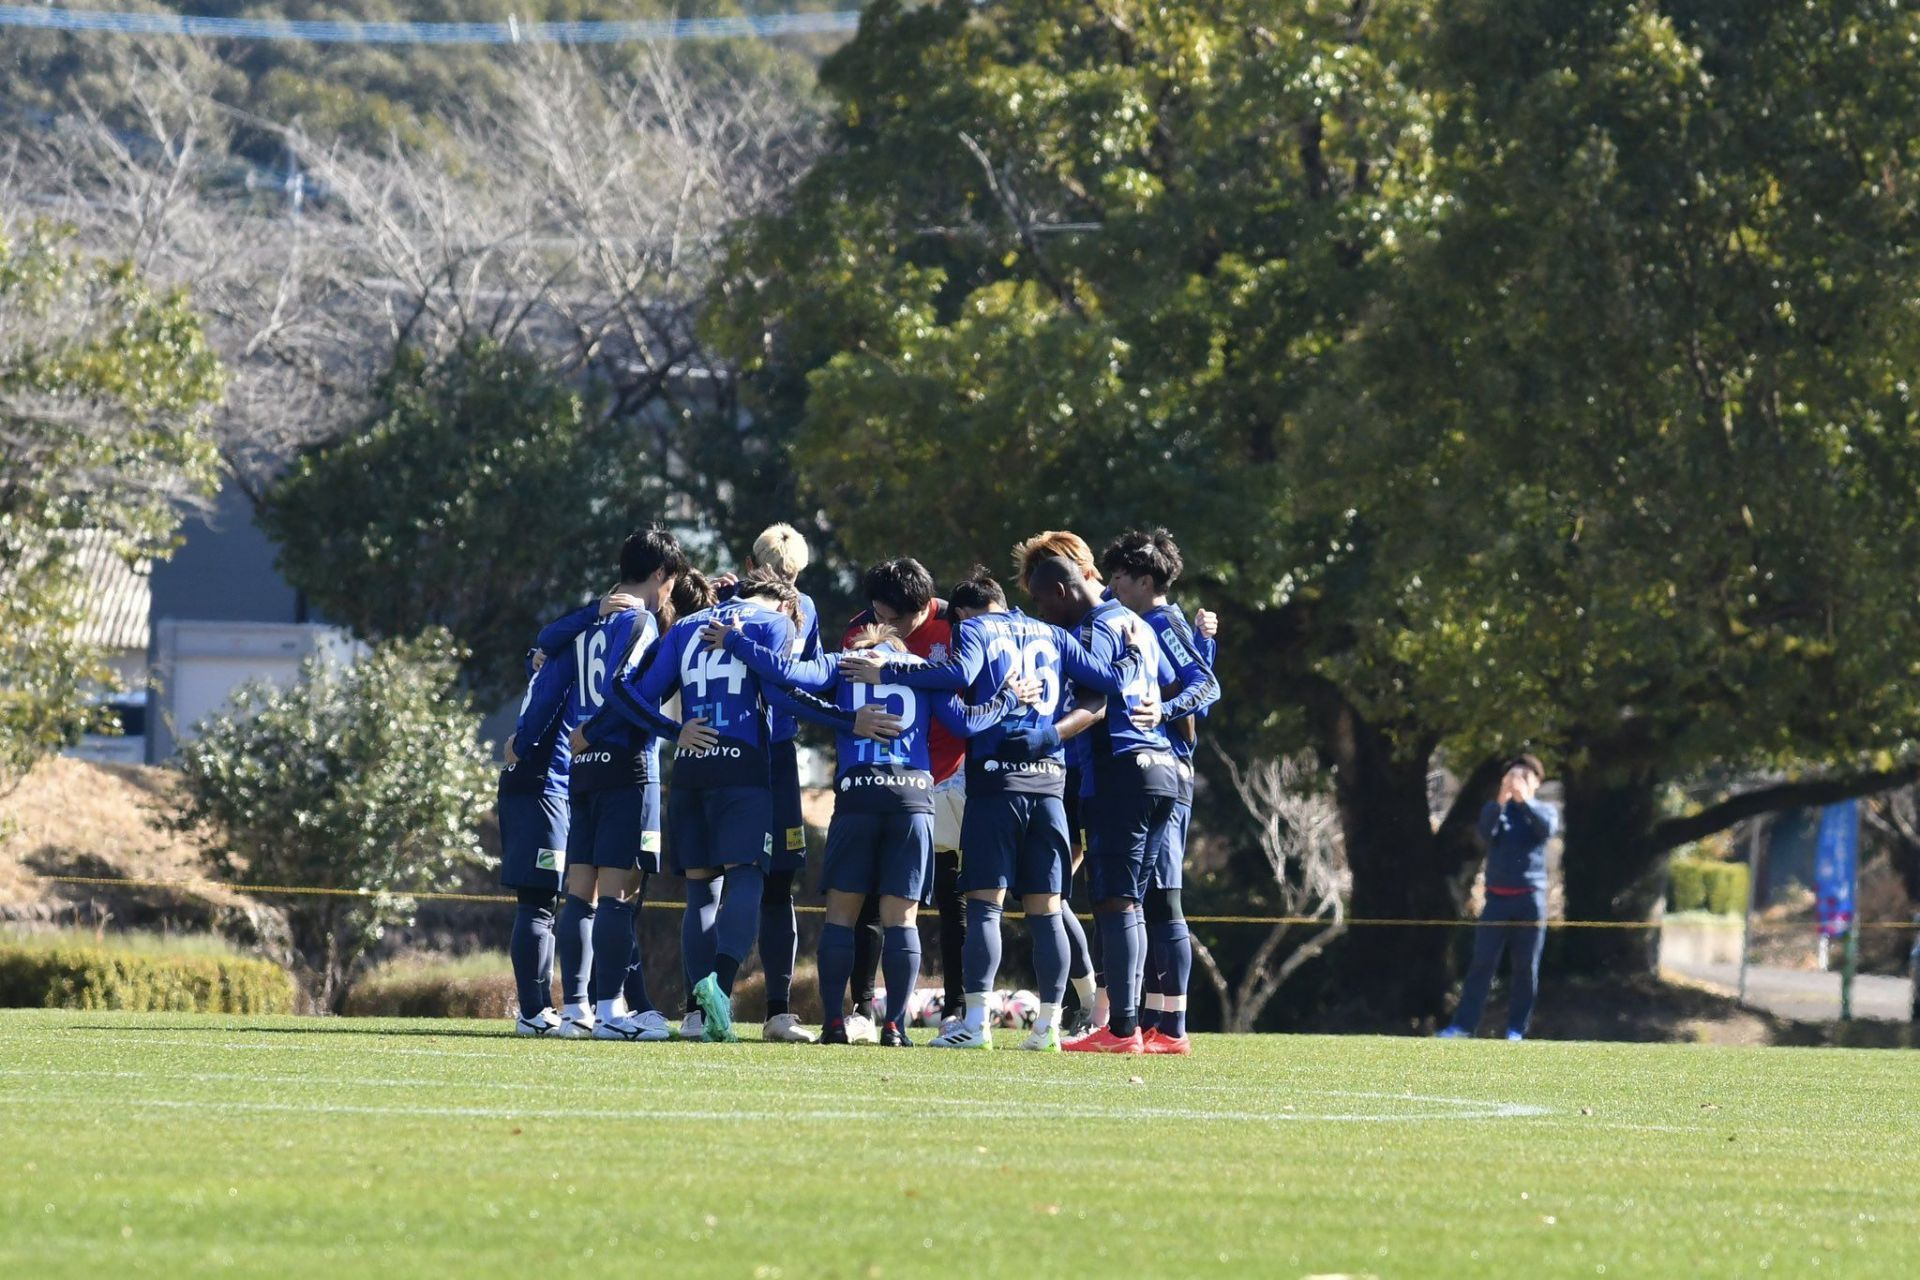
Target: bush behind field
[(1698, 884), (141, 974)]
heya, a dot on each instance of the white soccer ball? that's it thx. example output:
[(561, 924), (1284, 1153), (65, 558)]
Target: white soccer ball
[(1020, 1011), (923, 1007)]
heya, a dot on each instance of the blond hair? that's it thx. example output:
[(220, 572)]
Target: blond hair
[(1061, 543), (780, 549), (873, 636)]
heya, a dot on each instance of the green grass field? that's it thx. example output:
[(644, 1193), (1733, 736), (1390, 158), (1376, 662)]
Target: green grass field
[(179, 1145)]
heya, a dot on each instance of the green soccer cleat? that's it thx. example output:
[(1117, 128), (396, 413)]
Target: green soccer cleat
[(1039, 1041), (717, 1008)]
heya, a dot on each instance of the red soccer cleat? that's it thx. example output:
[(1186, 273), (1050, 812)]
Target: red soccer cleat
[(1104, 1041), (1157, 1041)]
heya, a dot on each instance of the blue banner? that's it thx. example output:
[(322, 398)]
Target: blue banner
[(1834, 866)]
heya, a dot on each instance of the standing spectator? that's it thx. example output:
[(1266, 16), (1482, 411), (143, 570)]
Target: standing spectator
[(1516, 827)]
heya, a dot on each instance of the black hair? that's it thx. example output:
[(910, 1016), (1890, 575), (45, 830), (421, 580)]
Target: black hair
[(649, 550), (977, 591), (1152, 554), (692, 592), (903, 585), (1055, 571)]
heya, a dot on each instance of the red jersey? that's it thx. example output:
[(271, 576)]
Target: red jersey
[(932, 640)]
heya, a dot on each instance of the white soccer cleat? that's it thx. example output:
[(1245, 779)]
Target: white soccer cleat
[(963, 1037), (1042, 1040), (616, 1029), (540, 1024), (951, 1024), (693, 1026), (653, 1026), (785, 1028), (580, 1028), (862, 1030)]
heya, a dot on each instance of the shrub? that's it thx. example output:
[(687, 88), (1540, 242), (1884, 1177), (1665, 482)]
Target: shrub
[(70, 975), (474, 986), (1695, 884), (369, 779)]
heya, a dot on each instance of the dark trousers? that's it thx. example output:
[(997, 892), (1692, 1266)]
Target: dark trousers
[(1516, 921)]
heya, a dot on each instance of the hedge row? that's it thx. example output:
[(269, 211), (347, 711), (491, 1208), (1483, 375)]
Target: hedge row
[(427, 994), (1697, 884), (78, 976)]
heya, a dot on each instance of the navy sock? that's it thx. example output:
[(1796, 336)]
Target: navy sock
[(1121, 943), (532, 940), (778, 935), (900, 954), (1138, 951), (980, 954), (1174, 943), (696, 929), (738, 924), (635, 986), (1049, 957), (1079, 959), (612, 947), (954, 930), (573, 939), (836, 964), (1150, 984), (867, 940)]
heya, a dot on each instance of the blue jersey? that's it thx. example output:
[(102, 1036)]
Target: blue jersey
[(806, 648), (1197, 689), (1116, 741), (988, 648), (716, 687), (872, 776), (541, 732), (610, 651)]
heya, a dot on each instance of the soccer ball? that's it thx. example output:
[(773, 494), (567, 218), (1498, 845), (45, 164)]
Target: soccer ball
[(1020, 1010), (923, 1007)]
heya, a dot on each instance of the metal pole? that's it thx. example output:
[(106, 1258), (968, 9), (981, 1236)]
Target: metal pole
[(1753, 890)]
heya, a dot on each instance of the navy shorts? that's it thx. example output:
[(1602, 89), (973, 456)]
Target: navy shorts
[(533, 840), (1170, 848), (1015, 842), (1123, 829), (789, 827), (712, 827), (617, 828), (884, 853)]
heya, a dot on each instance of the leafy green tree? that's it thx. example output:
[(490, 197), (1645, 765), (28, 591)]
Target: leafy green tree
[(1629, 447), (105, 387), (482, 496), (366, 778)]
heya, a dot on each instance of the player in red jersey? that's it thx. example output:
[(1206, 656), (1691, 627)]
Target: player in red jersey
[(900, 595)]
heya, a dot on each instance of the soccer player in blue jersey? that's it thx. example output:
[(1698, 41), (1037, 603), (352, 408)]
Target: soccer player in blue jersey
[(1133, 784), (1140, 566), (720, 818), (880, 842), (782, 552), (1014, 836), (613, 842)]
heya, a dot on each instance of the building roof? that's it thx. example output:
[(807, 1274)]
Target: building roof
[(117, 598)]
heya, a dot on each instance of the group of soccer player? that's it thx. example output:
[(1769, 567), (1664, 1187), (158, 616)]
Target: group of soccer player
[(982, 752)]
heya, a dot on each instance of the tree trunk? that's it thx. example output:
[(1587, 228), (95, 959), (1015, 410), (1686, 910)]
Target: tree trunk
[(1613, 869), (1399, 873)]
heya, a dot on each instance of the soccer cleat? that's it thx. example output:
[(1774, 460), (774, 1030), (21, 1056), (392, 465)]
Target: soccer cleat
[(963, 1037), (717, 1008), (835, 1034), (1157, 1041), (540, 1024), (1079, 1023), (1104, 1041), (862, 1030), (892, 1037), (616, 1029), (1454, 1033), (693, 1026), (950, 1023), (785, 1028), (1042, 1040), (1516, 1035), (653, 1026), (573, 1028)]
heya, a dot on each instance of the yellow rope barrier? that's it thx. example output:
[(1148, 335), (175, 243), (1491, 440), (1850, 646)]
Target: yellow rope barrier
[(137, 882)]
